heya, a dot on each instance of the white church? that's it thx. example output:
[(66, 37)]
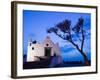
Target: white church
[(45, 49)]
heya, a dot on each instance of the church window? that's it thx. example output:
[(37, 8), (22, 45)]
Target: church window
[(30, 44), (32, 48), (47, 44)]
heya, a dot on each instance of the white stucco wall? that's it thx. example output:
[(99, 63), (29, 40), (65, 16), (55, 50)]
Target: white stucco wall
[(39, 49), (56, 49), (50, 44)]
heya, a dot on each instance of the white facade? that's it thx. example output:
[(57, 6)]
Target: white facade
[(47, 48)]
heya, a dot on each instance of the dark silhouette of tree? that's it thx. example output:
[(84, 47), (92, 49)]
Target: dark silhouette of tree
[(65, 31)]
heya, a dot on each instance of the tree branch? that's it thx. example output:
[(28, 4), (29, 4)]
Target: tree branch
[(83, 38), (75, 45), (59, 35), (72, 42)]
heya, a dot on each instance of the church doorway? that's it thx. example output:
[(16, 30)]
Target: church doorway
[(48, 51)]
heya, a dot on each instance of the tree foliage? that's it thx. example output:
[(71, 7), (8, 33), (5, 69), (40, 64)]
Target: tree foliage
[(68, 30), (79, 26)]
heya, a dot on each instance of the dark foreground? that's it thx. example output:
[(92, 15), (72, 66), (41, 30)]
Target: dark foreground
[(47, 64)]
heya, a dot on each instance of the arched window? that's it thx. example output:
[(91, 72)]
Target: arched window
[(30, 44), (47, 44), (32, 48)]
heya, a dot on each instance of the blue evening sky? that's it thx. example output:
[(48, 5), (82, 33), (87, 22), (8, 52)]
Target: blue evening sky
[(35, 24)]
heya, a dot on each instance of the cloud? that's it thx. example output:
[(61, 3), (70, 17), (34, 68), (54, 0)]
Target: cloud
[(72, 55), (32, 35), (69, 52), (66, 49)]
